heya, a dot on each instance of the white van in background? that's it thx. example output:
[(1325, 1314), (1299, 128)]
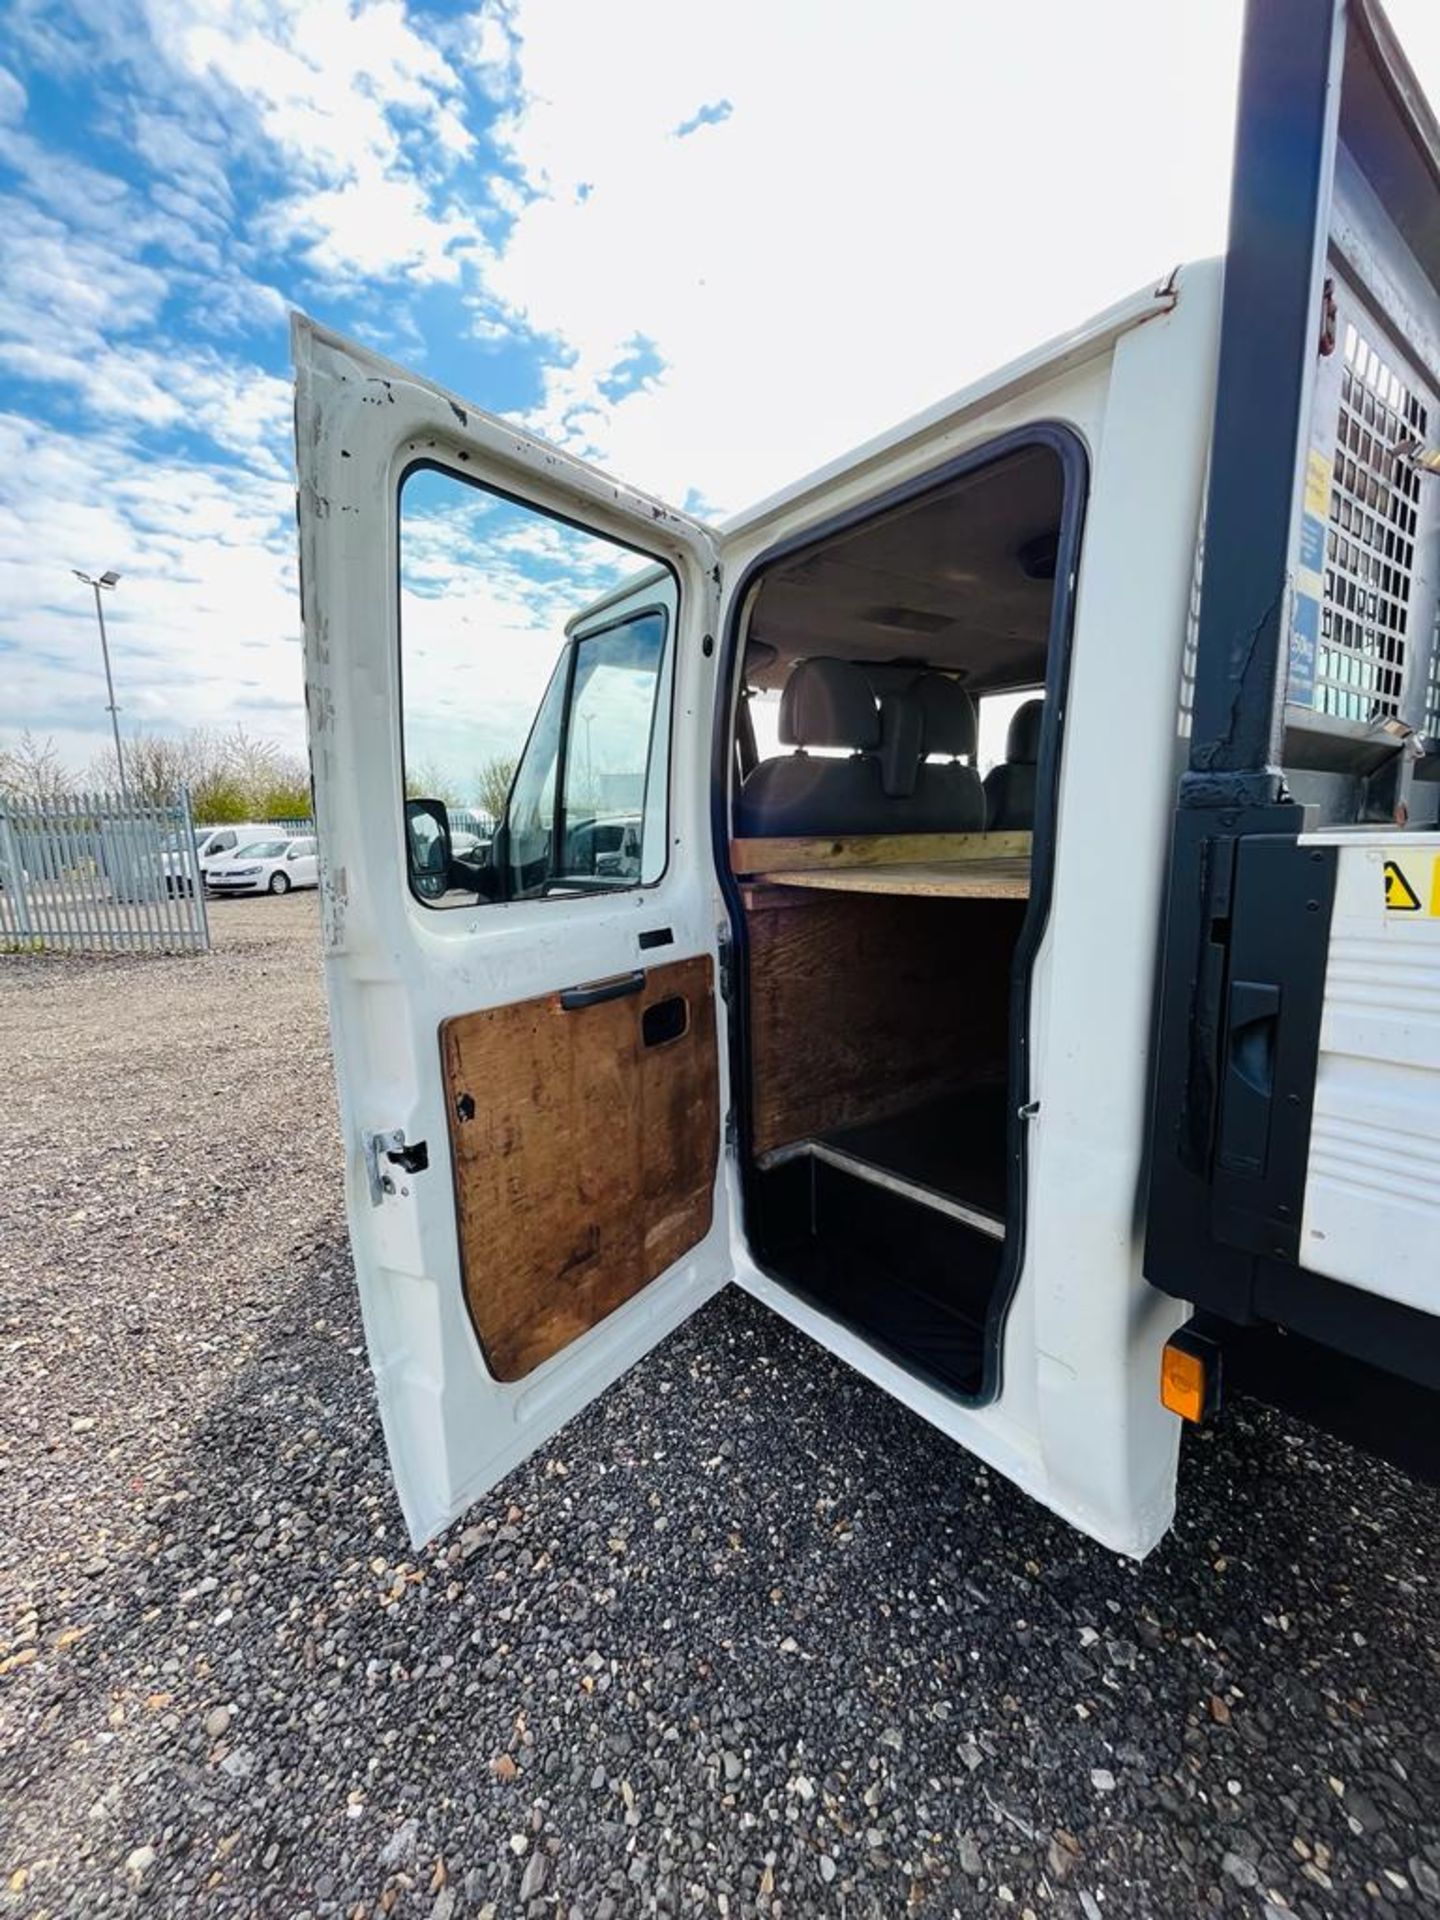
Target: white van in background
[(215, 843), (212, 845)]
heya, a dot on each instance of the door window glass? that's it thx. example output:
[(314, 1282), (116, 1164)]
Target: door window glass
[(997, 710), (612, 714), (536, 661)]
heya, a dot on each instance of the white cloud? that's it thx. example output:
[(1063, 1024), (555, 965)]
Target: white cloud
[(189, 164), (362, 110), (896, 199), (204, 626), (12, 99)]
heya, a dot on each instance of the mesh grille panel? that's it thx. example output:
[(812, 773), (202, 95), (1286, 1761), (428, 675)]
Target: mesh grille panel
[(1370, 543)]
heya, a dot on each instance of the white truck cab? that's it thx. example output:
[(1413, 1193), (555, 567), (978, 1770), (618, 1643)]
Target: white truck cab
[(1059, 1102)]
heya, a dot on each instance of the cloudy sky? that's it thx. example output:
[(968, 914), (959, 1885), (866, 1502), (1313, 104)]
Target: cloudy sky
[(709, 248)]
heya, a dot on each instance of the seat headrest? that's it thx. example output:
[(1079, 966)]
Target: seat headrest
[(902, 731), (949, 714), (1022, 742), (829, 703)]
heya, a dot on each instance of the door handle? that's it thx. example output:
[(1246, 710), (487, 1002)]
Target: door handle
[(573, 998), (1251, 1032)]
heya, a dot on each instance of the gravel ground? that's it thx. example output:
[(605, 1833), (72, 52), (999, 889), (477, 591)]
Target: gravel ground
[(748, 1639)]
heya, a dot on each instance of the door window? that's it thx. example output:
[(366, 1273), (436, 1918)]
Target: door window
[(535, 693)]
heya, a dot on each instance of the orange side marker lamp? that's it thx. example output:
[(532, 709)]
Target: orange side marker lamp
[(1190, 1375)]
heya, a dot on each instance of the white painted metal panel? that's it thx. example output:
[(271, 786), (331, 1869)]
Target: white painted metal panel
[(395, 969), (1372, 1188), (1079, 1424)]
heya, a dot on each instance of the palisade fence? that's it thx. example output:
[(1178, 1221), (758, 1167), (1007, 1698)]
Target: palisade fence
[(99, 871)]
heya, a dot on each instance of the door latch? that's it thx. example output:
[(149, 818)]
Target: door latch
[(391, 1148)]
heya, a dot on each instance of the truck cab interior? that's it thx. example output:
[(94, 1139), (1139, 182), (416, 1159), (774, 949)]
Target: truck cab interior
[(888, 892)]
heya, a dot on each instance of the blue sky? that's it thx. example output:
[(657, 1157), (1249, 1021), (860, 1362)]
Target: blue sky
[(709, 250)]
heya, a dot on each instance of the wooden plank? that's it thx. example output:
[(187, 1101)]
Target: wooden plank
[(963, 880), (862, 1005), (584, 1160), (782, 855)]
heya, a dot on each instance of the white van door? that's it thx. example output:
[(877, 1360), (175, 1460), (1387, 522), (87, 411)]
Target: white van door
[(523, 1010)]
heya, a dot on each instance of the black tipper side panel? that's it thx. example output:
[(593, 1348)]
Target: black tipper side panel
[(1228, 1179), (1315, 653)]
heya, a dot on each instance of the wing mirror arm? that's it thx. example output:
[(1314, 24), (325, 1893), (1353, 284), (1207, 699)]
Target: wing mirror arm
[(500, 857)]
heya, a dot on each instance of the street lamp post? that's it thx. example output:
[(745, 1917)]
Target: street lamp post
[(108, 580)]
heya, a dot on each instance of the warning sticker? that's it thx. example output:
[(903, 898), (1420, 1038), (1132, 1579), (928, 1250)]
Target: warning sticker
[(1412, 882), (1400, 895), (1318, 475)]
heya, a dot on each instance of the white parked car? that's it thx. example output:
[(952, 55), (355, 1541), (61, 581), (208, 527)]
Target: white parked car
[(267, 866)]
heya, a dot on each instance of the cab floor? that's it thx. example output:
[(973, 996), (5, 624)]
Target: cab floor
[(953, 1146)]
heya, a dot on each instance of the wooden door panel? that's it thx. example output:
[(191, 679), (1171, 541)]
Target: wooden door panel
[(584, 1157)]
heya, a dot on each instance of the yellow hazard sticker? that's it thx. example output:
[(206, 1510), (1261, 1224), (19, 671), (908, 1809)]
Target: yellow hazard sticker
[(1412, 884), (1400, 895)]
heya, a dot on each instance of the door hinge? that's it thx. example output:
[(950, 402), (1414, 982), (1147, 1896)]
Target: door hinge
[(391, 1148), (732, 1130)]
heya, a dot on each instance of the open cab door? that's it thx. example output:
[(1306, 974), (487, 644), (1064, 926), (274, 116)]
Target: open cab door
[(523, 1011), (1295, 1185)]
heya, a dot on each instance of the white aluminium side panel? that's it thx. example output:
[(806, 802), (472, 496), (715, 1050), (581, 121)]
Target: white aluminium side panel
[(1372, 1185)]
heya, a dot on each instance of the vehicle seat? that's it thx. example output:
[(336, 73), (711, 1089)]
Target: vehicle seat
[(826, 703), (1010, 787), (948, 796)]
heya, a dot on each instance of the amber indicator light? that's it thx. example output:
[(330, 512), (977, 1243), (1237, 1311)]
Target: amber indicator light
[(1182, 1382)]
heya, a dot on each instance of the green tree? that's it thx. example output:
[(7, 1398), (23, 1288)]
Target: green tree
[(218, 799), (287, 797), (229, 776)]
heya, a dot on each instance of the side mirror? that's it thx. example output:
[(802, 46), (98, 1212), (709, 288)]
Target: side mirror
[(428, 847)]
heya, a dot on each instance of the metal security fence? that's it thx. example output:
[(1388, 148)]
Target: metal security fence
[(101, 872), (473, 820)]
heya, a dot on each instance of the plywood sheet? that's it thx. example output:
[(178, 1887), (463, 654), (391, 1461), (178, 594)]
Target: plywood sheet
[(784, 854), (584, 1159), (962, 880), (861, 1004)]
